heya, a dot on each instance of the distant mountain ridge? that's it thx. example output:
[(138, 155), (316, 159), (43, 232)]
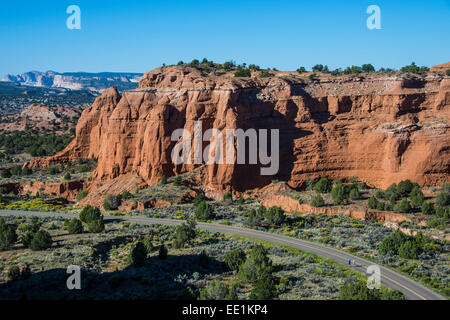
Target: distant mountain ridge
[(97, 82)]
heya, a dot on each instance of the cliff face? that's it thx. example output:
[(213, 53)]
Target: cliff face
[(377, 128)]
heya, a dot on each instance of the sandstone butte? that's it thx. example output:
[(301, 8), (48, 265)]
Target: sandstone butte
[(381, 129)]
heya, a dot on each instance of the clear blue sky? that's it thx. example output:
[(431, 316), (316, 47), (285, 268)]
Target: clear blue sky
[(137, 36)]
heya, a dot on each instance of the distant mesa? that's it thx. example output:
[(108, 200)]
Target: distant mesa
[(97, 82), (441, 67)]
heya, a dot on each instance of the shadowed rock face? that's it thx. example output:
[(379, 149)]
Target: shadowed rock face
[(380, 129)]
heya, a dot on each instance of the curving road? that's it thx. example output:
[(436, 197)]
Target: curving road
[(391, 279)]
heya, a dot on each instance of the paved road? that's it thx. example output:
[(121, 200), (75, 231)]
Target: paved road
[(411, 289)]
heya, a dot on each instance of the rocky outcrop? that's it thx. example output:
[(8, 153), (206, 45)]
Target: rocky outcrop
[(441, 67), (378, 128)]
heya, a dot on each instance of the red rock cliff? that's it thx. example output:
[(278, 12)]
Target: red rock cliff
[(380, 129)]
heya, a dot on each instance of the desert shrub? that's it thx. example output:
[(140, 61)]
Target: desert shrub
[(367, 68), (162, 252), (14, 273), (354, 194), (89, 214), (416, 196), (125, 195), (241, 200), (339, 194), (254, 218), (228, 65), (185, 233), (138, 255), (404, 188), (403, 206), (199, 199), (16, 170), (84, 168), (27, 171), (266, 74), (96, 226), (148, 244), (203, 212), (227, 197), (82, 194), (243, 73), (67, 176), (318, 201), (357, 290), (391, 191), (379, 194), (443, 199), (310, 183), (301, 70), (111, 202), (265, 288), (275, 215), (373, 203), (413, 68), (234, 259), (317, 68), (428, 208), (41, 240), (177, 181), (392, 243), (6, 173), (257, 265), (409, 250), (8, 235), (163, 180), (323, 185), (216, 290), (75, 226)]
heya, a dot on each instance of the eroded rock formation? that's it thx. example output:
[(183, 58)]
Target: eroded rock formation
[(380, 129)]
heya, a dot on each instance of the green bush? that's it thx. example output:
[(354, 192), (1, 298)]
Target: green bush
[(6, 173), (403, 206), (234, 259), (67, 176), (89, 214), (339, 194), (8, 235), (227, 197), (14, 273), (203, 212), (275, 215), (264, 289), (148, 244), (317, 201), (257, 265), (41, 240), (413, 68), (417, 197), (254, 218), (323, 185), (82, 194), (215, 290), (404, 188), (243, 73), (428, 208), (301, 70), (185, 233), (357, 290), (447, 72), (379, 194), (354, 194), (177, 181), (111, 202), (443, 199), (409, 250), (392, 243), (373, 203), (138, 255), (266, 74), (96, 226), (75, 226), (163, 180)]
